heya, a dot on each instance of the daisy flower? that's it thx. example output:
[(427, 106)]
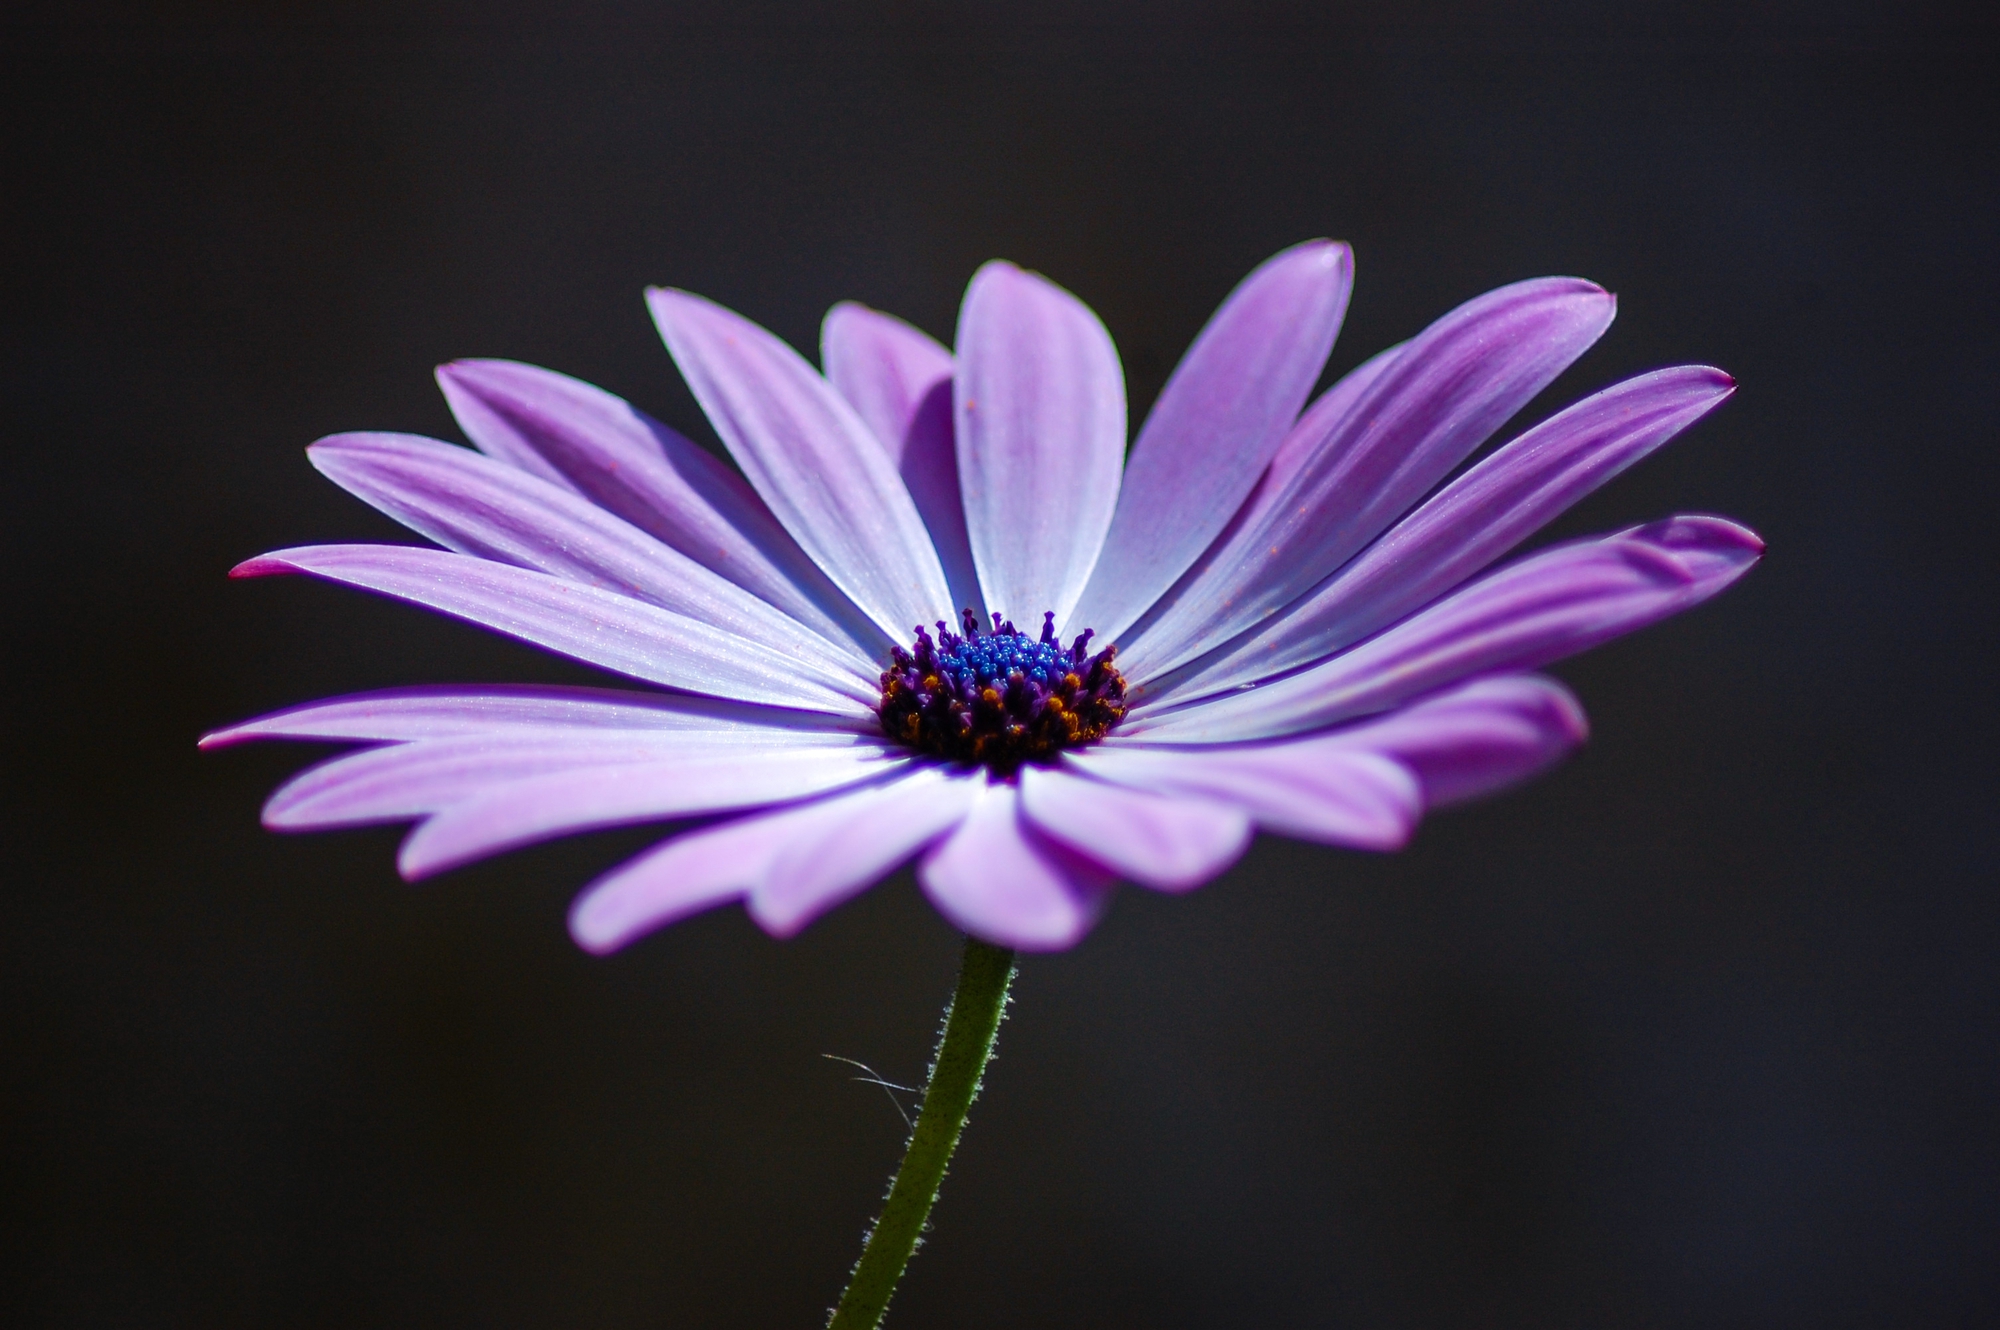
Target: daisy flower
[(942, 615)]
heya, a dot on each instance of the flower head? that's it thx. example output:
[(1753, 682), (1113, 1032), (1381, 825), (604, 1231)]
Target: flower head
[(1300, 625)]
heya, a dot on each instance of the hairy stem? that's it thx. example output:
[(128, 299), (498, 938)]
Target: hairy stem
[(970, 1024)]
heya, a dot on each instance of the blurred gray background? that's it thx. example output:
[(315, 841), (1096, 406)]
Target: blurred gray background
[(1698, 1031)]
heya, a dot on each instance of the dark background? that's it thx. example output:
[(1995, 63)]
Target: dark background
[(1698, 1031)]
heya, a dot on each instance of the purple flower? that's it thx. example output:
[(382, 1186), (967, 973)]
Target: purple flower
[(1309, 636)]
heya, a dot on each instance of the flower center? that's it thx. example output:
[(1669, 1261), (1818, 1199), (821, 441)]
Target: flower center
[(1000, 698)]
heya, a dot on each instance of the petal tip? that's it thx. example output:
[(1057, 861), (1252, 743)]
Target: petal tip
[(1722, 533), (1034, 940), (1325, 253), (1393, 841), (1715, 383), (263, 565), (332, 447), (1699, 530), (463, 373), (412, 863), (1698, 549), (1571, 720), (1326, 264), (1592, 302), (688, 320), (782, 925), (665, 301), (1572, 288), (598, 936)]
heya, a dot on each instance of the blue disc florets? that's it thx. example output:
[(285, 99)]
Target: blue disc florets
[(999, 698)]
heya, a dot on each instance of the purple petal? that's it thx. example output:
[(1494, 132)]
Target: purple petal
[(1217, 422), (899, 382), (481, 507), (403, 714), (1437, 401), (1342, 796), (410, 780), (598, 627), (627, 463), (999, 879), (1471, 522), (1040, 410), (1170, 843), (1302, 441), (543, 807), (1299, 446), (694, 871), (1477, 738), (834, 858), (821, 470), (882, 366), (1536, 610)]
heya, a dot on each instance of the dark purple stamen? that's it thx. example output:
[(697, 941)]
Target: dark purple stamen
[(1000, 698)]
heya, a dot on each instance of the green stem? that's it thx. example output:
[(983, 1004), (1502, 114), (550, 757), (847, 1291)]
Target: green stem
[(970, 1024)]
